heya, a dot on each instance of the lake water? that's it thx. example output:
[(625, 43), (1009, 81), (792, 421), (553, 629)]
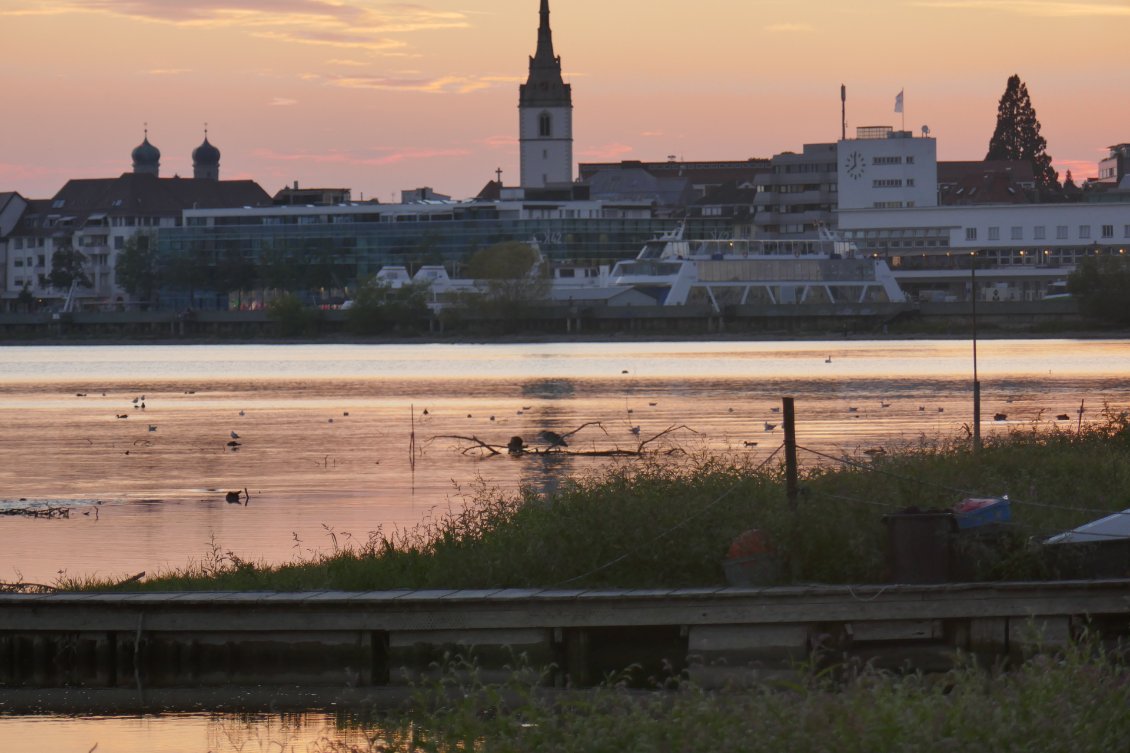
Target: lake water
[(325, 431)]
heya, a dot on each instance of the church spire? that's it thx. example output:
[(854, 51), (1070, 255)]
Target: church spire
[(545, 86), (544, 54)]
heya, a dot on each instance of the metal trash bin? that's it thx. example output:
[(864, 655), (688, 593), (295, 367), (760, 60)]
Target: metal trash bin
[(920, 545)]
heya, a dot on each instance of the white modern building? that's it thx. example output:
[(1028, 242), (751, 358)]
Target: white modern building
[(882, 168), (1022, 251)]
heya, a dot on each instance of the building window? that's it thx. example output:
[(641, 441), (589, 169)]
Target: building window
[(887, 183), (1126, 231), (910, 159), (1084, 232), (994, 233), (1039, 232), (970, 233), (1017, 233), (1108, 231), (910, 182), (545, 125), (1061, 232)]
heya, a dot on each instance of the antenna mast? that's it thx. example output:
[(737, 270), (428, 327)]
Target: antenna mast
[(843, 113)]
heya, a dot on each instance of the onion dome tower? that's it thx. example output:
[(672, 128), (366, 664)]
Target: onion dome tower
[(206, 160), (545, 107), (146, 157)]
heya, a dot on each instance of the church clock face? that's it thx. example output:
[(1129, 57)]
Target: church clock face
[(854, 165)]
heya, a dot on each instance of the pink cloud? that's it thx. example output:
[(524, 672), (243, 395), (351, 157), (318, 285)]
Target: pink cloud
[(607, 152), (387, 156)]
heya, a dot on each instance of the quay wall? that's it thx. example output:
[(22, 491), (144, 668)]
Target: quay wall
[(568, 638), (799, 319)]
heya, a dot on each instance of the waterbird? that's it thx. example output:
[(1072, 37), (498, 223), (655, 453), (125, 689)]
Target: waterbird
[(516, 445), (653, 404), (634, 429), (853, 409), (1000, 417), (769, 426), (941, 410), (922, 407), (552, 438), (425, 411), (122, 415), (750, 444), (241, 413), (345, 413), (624, 371), (775, 409), (884, 405), (828, 359), (1063, 417), (234, 435), (152, 427)]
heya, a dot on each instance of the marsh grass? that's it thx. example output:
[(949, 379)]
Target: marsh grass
[(1073, 700), (653, 524)]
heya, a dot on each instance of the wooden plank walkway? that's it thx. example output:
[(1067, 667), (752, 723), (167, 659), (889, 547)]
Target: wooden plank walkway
[(378, 638)]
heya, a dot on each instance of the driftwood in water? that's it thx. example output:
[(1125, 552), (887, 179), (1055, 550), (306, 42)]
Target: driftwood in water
[(40, 512), (518, 447)]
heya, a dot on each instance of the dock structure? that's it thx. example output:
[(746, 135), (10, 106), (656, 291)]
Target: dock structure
[(713, 636)]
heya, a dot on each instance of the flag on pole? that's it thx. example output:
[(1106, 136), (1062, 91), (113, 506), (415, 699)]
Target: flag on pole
[(898, 101)]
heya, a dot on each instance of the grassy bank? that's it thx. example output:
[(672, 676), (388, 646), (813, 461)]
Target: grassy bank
[(657, 523), (1072, 702)]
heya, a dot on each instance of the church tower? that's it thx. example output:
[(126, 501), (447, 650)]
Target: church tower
[(545, 109)]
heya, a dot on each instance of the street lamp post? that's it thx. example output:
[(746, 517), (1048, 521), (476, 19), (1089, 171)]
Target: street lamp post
[(976, 381)]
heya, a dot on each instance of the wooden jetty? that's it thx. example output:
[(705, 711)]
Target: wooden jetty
[(713, 636)]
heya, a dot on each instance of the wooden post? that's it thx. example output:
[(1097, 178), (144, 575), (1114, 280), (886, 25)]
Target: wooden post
[(790, 450)]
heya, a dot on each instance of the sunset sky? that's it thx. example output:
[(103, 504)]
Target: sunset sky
[(383, 96)]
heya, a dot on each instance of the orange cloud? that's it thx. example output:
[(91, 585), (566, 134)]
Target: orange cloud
[(340, 23), (1044, 8)]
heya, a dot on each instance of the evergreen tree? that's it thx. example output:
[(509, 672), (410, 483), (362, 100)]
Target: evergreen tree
[(1017, 136)]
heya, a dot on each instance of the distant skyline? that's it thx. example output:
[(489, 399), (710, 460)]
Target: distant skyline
[(384, 96)]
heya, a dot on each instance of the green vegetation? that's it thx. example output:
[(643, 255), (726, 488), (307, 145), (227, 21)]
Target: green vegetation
[(1017, 135), (293, 317), (663, 523), (378, 308), (1100, 284), (1073, 702)]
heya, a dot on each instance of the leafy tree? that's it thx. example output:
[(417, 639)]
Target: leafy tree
[(292, 316), (184, 272), (378, 307), (1100, 283), (25, 300), (68, 266), (136, 268), (1017, 135), (512, 281), (235, 273)]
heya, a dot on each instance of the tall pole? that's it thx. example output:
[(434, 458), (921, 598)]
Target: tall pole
[(976, 381), (789, 414), (843, 112)]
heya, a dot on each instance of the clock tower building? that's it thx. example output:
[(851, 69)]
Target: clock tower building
[(545, 108)]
